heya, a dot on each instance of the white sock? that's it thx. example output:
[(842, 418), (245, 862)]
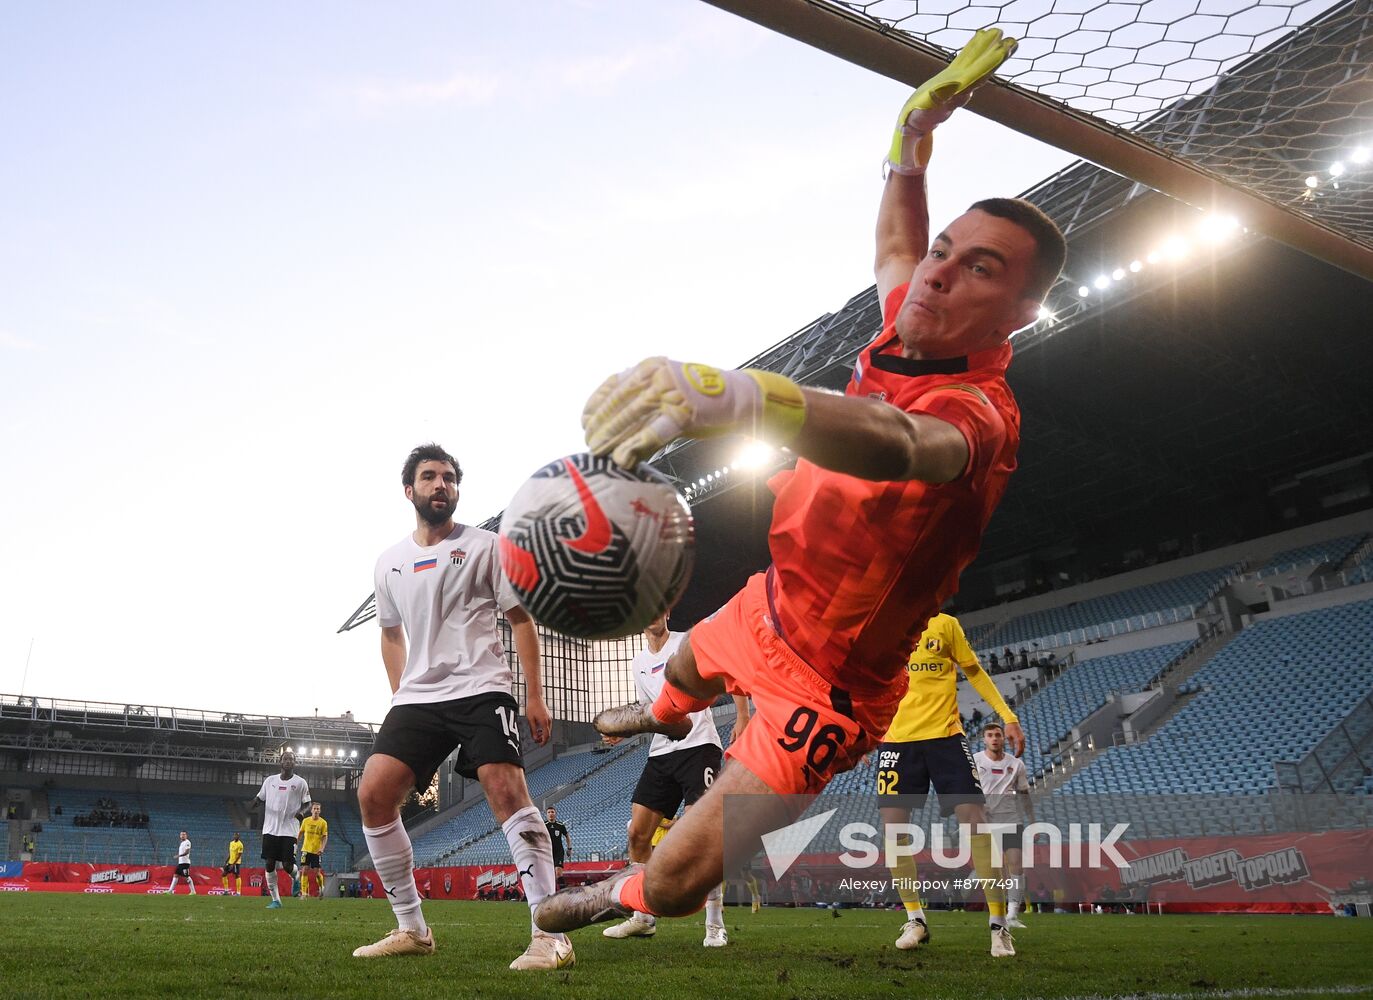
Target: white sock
[(916, 914), (1015, 897), (190, 885), (272, 885), (715, 908), (394, 860), (533, 855)]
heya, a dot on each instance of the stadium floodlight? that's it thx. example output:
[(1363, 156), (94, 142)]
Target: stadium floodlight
[(1083, 291), (753, 454), (1218, 227), (1337, 169), (1136, 266), (1313, 181), (1359, 156), (1175, 248), (1118, 274), (328, 751), (1045, 314), (353, 754), (314, 751), (1102, 281)]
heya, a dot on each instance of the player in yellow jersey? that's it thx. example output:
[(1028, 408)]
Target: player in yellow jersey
[(232, 865), (314, 831), (664, 825), (925, 746)]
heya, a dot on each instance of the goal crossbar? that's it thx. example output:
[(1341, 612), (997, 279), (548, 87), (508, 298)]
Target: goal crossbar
[(901, 57)]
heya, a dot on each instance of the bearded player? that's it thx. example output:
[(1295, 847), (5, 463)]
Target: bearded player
[(439, 590), (897, 480)]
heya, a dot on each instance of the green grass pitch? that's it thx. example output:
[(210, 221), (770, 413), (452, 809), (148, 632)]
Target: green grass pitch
[(138, 946)]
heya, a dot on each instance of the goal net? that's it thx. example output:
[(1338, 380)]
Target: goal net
[(1262, 109)]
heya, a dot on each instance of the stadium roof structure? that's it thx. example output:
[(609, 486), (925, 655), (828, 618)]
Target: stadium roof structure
[(29, 724), (1184, 366)]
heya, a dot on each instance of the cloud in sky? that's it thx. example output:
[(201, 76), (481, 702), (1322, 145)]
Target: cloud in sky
[(461, 89), (708, 36), (14, 342), (604, 71)]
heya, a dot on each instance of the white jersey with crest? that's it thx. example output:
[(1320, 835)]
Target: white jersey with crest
[(447, 596), (283, 798), (649, 668), (1001, 781)]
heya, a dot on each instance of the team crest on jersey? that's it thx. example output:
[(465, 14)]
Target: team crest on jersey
[(457, 556), (881, 397), (934, 645)]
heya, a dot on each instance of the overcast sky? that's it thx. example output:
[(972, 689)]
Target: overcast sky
[(251, 254)]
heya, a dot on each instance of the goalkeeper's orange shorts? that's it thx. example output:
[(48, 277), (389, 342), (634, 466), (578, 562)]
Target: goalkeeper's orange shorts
[(804, 730)]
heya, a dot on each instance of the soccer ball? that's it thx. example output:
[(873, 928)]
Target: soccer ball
[(595, 551)]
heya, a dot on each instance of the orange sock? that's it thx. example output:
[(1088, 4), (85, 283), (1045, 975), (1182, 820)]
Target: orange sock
[(674, 704), (631, 895)]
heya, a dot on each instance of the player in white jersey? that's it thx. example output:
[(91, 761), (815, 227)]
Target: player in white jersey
[(183, 864), (439, 591), (1007, 788), (678, 770), (285, 799)]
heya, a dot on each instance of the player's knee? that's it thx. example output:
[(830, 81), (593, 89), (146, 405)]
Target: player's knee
[(640, 843), (377, 803)]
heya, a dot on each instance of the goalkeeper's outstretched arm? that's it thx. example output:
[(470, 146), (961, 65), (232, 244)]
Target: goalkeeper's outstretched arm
[(903, 224), (903, 231)]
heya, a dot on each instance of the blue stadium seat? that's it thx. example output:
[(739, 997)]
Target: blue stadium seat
[(1308, 670)]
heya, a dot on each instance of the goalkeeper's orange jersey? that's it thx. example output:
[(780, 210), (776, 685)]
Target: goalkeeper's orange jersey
[(859, 567), (930, 708)]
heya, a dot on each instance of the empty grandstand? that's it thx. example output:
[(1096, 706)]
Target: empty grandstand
[(95, 782)]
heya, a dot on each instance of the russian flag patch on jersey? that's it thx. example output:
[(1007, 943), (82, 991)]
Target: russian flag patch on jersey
[(424, 564)]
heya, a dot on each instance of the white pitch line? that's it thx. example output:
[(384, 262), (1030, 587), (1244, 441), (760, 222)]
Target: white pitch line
[(1236, 994)]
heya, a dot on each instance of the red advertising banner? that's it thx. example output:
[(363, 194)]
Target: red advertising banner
[(45, 876), (1279, 872)]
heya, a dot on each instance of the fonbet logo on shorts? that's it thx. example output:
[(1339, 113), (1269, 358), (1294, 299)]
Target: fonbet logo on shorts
[(865, 846)]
